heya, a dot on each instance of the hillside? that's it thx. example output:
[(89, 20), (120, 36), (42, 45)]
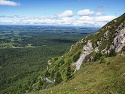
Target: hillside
[(94, 78), (21, 64), (94, 65)]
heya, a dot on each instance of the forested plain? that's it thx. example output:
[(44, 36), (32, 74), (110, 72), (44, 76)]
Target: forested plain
[(25, 51)]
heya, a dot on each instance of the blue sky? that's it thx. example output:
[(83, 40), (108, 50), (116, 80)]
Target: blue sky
[(60, 12)]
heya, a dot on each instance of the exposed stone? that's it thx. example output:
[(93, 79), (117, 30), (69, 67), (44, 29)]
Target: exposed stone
[(121, 54), (88, 47), (115, 21), (71, 48), (98, 43), (80, 60), (119, 40), (123, 74), (48, 80), (96, 49), (106, 35), (104, 51), (49, 63), (91, 59), (96, 33)]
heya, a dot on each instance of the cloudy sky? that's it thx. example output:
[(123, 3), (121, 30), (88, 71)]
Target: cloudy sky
[(60, 12)]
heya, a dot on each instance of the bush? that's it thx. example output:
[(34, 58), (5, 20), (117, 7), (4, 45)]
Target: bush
[(102, 60), (47, 74), (69, 72), (76, 57), (58, 78), (61, 62), (112, 53), (98, 56), (108, 63)]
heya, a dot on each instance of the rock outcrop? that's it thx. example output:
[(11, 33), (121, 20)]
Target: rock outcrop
[(88, 47), (119, 40)]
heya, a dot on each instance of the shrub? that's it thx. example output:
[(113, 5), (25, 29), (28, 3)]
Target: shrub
[(102, 60), (47, 74), (112, 53), (108, 63), (98, 56), (58, 78), (69, 72), (76, 57)]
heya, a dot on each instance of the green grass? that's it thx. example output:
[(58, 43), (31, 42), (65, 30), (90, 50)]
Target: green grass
[(94, 78)]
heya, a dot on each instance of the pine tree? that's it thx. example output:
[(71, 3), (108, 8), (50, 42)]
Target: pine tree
[(58, 78), (47, 74), (112, 53), (69, 72), (98, 56)]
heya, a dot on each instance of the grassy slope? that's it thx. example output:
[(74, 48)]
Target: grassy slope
[(94, 78)]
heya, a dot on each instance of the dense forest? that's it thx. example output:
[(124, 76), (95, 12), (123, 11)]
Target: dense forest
[(25, 51)]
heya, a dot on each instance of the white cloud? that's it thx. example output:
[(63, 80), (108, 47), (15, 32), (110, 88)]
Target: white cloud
[(65, 18), (98, 14), (85, 12), (104, 18), (86, 18), (66, 13), (94, 20), (8, 3)]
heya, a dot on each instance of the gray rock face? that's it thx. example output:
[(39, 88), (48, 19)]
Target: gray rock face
[(88, 47), (106, 35), (118, 43), (80, 60), (87, 50), (119, 40), (49, 62), (48, 80), (96, 49)]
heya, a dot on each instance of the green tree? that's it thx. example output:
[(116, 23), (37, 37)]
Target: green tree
[(102, 60), (39, 84), (58, 78), (47, 74), (69, 72), (112, 53), (98, 56), (61, 62), (76, 57), (52, 74)]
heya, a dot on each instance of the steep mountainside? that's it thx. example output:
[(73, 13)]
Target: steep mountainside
[(94, 65)]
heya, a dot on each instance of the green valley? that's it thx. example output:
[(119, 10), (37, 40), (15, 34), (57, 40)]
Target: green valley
[(24, 53)]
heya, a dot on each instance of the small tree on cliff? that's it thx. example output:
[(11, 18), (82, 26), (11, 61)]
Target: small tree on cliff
[(58, 78)]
